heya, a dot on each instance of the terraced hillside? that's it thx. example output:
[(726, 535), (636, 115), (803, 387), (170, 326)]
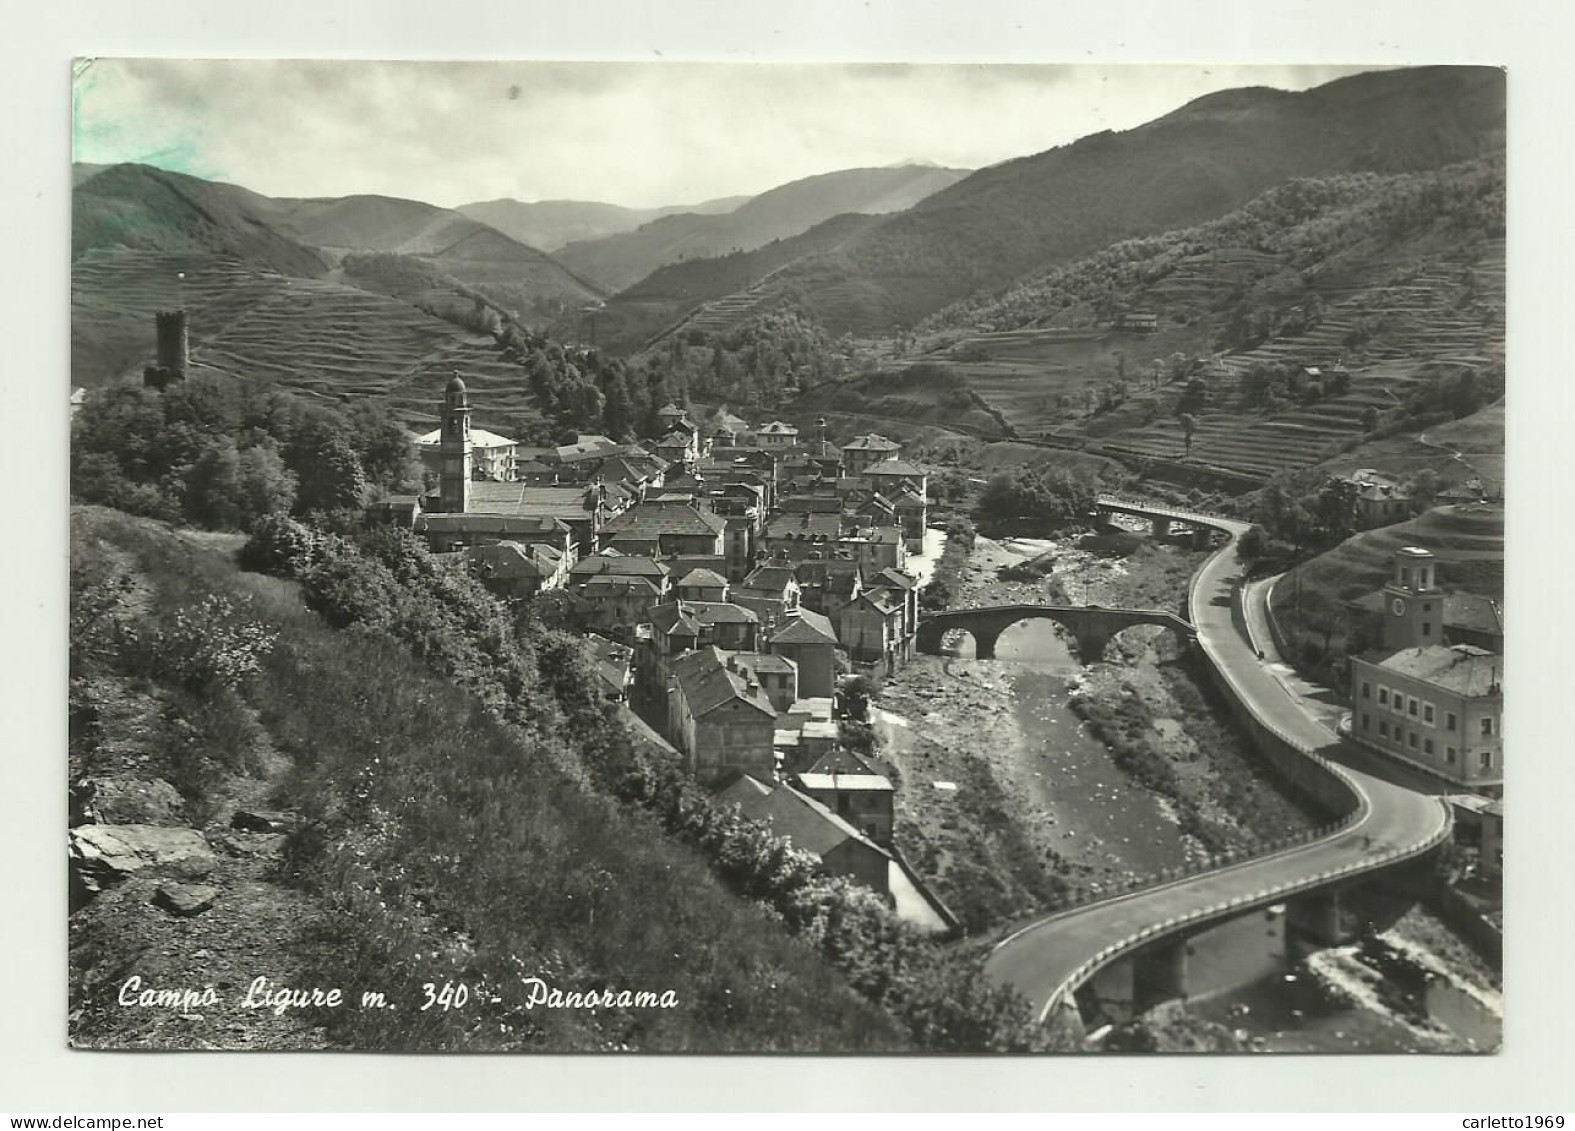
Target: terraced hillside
[(115, 292), (325, 340), (1442, 311)]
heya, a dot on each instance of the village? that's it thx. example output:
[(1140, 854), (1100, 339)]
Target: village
[(731, 581), (728, 581)]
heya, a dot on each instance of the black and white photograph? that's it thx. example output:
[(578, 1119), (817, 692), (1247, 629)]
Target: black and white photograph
[(821, 558)]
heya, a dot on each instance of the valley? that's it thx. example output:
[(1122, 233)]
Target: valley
[(1229, 373)]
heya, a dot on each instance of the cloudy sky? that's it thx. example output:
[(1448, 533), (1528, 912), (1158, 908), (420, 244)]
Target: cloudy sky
[(638, 134)]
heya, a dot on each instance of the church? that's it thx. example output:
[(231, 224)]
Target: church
[(469, 512)]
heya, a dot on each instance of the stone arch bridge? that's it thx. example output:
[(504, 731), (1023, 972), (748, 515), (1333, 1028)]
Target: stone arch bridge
[(1091, 625)]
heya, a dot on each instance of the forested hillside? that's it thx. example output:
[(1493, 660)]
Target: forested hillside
[(1201, 161), (618, 262)]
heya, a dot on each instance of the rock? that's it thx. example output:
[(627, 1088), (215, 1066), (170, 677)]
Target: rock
[(103, 855), (126, 801), (260, 821), (185, 899)]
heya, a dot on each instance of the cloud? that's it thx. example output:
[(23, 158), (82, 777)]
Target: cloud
[(629, 133)]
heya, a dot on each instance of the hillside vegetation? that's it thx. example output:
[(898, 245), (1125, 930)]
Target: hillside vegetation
[(429, 839), (1393, 283), (1187, 167), (712, 294)]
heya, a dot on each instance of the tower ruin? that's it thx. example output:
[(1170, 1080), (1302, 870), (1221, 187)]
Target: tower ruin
[(173, 350)]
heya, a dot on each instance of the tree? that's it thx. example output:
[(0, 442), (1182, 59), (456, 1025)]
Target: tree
[(1423, 487), (1370, 419), (1189, 425), (384, 447), (231, 490), (329, 472)]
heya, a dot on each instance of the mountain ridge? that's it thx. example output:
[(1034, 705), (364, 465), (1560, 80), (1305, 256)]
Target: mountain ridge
[(787, 210)]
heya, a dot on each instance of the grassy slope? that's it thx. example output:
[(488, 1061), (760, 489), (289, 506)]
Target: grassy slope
[(1467, 540), (475, 857)]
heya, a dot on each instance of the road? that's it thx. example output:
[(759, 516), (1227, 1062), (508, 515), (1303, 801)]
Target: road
[(1051, 957)]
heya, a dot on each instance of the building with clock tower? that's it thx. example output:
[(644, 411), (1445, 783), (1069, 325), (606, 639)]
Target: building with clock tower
[(1413, 602), (1435, 703)]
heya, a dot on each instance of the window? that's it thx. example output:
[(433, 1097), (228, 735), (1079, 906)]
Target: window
[(1487, 726), (1427, 628), (1487, 759), (1427, 606), (1449, 721), (1449, 755), (1427, 713), (1411, 738), (1383, 696), (1411, 706), (1367, 690), (1367, 721), (1427, 746), (1383, 728)]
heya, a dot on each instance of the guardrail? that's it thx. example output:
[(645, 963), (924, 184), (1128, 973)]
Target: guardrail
[(1361, 807)]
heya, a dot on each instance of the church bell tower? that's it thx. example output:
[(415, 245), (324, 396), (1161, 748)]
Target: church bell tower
[(1413, 602), (454, 448)]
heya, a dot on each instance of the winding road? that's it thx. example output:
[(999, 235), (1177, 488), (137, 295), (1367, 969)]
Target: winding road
[(1050, 958)]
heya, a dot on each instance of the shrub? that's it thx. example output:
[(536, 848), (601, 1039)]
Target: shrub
[(203, 649)]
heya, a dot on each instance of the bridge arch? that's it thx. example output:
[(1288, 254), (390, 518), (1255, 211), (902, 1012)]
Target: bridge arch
[(1092, 626)]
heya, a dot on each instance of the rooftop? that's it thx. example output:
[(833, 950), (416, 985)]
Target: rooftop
[(791, 814), (769, 579), (701, 576), (806, 628), (612, 562), (707, 683), (718, 612), (479, 438), (893, 467), (510, 560), (871, 442), (652, 519), (810, 525), (572, 504), (1463, 669)]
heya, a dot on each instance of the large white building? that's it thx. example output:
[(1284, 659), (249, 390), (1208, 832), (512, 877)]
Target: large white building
[(496, 457)]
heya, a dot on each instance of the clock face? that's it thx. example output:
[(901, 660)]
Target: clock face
[(1398, 606)]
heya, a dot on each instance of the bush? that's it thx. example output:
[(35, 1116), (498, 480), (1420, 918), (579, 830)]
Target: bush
[(202, 649)]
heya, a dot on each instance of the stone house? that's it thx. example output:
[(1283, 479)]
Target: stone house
[(870, 629), (718, 719), (776, 675), (771, 592), (808, 640), (848, 786), (664, 529), (702, 584), (512, 570), (862, 451)]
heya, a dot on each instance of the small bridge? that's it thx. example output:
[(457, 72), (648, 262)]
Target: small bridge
[(1092, 626)]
